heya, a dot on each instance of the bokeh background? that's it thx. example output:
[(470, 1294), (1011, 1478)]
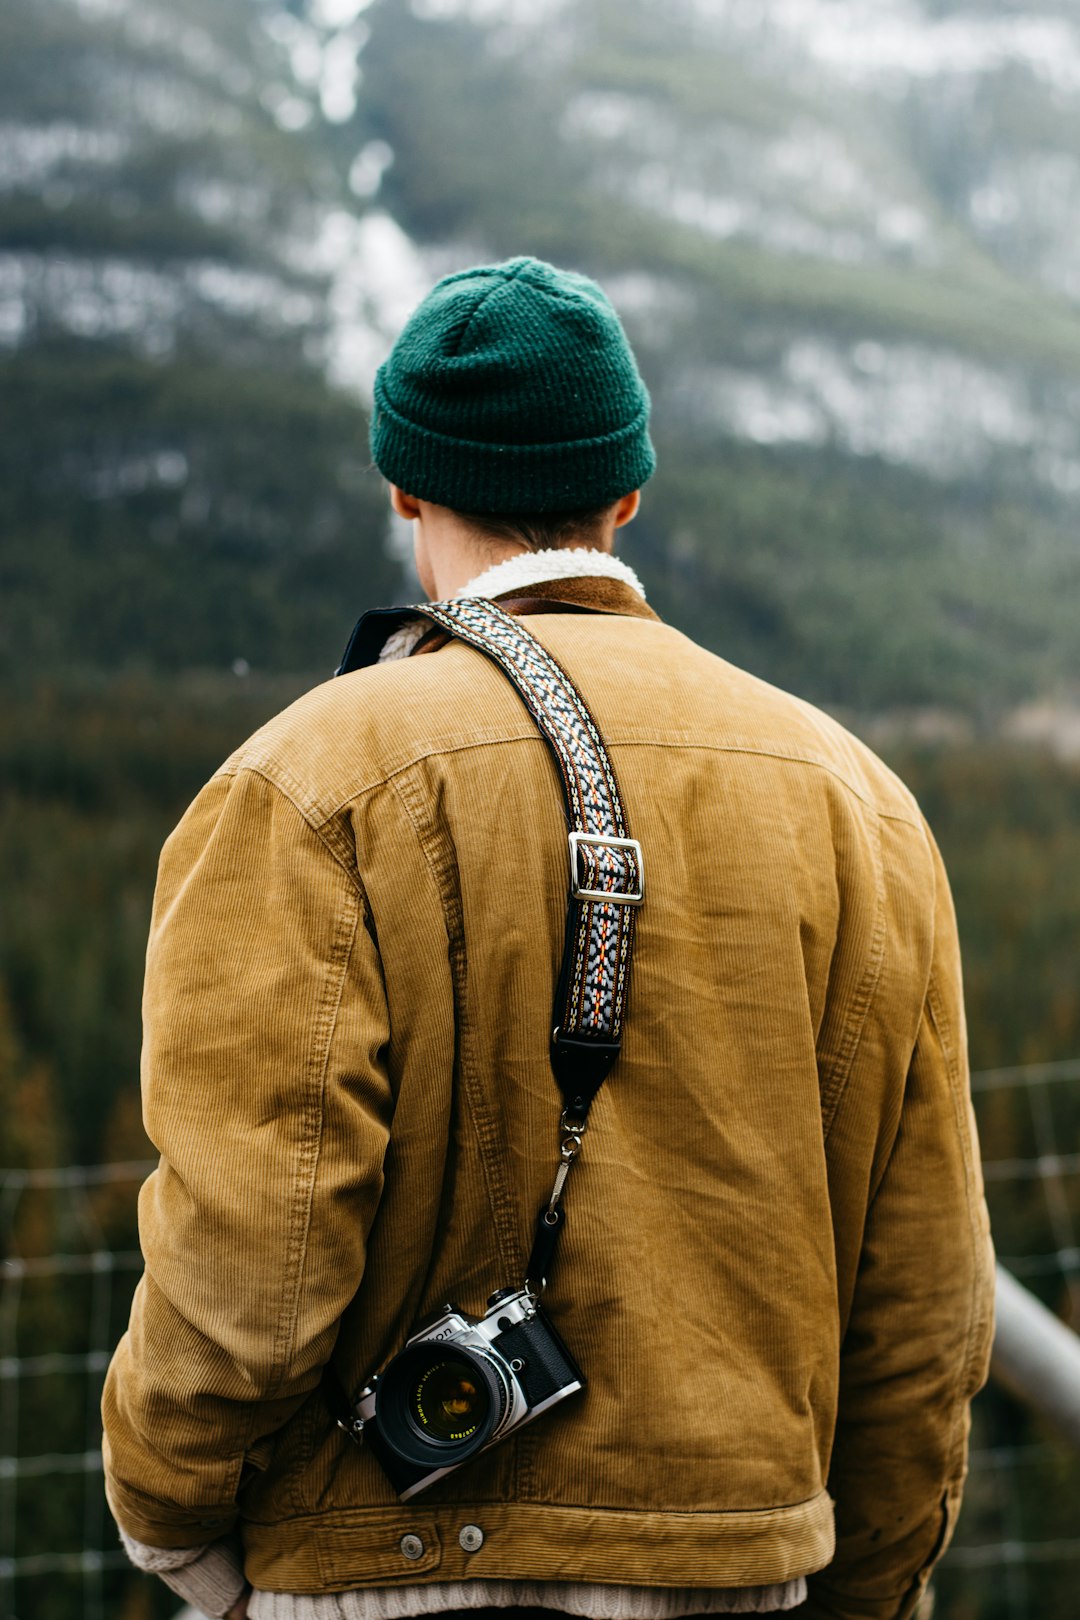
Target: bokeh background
[(843, 237)]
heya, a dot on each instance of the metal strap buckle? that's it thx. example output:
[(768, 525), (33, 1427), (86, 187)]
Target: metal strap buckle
[(611, 896)]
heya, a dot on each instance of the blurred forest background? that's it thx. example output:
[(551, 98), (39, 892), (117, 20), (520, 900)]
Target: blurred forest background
[(842, 234)]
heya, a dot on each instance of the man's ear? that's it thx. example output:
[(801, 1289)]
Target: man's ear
[(406, 506), (627, 508)]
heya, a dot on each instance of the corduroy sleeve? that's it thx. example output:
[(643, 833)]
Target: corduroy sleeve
[(917, 1342), (272, 1126)]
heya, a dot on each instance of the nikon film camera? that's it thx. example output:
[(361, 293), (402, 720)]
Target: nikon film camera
[(460, 1384)]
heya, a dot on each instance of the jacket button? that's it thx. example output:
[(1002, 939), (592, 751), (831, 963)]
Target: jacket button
[(412, 1547), (471, 1537)]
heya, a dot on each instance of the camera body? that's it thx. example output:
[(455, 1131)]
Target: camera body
[(460, 1384)]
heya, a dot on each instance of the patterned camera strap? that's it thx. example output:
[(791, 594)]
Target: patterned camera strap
[(605, 864), (606, 876)]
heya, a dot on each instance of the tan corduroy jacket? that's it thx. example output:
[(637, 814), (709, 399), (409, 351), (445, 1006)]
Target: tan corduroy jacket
[(776, 1269)]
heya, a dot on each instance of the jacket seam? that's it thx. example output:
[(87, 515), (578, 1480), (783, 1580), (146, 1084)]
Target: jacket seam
[(500, 1201), (934, 1007), (458, 1507), (835, 1089), (292, 793), (965, 1372), (317, 818), (781, 754), (311, 1135)]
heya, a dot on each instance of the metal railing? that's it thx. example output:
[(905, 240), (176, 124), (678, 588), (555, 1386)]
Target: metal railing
[(1037, 1358)]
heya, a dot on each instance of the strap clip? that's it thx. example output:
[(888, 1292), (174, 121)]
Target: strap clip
[(635, 866), (354, 1428)]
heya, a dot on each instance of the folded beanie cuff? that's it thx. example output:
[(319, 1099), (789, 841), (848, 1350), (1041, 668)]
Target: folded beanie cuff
[(470, 475)]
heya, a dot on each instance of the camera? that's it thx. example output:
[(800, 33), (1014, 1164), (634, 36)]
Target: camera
[(460, 1384)]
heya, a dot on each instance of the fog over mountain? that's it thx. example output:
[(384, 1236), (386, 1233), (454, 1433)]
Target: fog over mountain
[(840, 233)]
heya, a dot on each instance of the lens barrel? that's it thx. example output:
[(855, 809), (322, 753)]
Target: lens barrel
[(438, 1403)]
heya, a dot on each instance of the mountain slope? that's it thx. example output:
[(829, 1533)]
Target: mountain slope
[(858, 321), (840, 236), (179, 483)]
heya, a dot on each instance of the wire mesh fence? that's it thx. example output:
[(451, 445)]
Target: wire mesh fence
[(72, 1263), (70, 1266), (1016, 1555)]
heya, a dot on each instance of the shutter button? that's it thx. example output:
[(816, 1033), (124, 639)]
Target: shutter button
[(471, 1537), (412, 1547)]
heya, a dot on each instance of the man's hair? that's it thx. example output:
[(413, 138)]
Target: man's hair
[(540, 531)]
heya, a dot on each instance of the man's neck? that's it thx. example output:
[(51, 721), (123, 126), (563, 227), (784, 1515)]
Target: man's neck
[(455, 555)]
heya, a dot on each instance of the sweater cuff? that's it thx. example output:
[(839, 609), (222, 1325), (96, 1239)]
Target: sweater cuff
[(210, 1578)]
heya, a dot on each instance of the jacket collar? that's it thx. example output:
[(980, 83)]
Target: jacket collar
[(585, 594), (579, 580), (534, 572)]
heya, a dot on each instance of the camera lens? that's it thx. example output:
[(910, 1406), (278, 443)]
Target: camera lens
[(448, 1402), (437, 1404)]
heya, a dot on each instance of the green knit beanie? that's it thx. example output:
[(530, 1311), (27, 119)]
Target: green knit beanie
[(513, 390)]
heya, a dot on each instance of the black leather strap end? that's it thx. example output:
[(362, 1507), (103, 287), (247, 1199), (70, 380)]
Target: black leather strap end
[(336, 1400), (580, 1068), (549, 1224)]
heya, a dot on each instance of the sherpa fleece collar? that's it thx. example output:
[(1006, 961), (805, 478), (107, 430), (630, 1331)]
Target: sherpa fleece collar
[(617, 588), (540, 567)]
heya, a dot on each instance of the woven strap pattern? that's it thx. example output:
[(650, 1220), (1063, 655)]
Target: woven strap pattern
[(600, 934)]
